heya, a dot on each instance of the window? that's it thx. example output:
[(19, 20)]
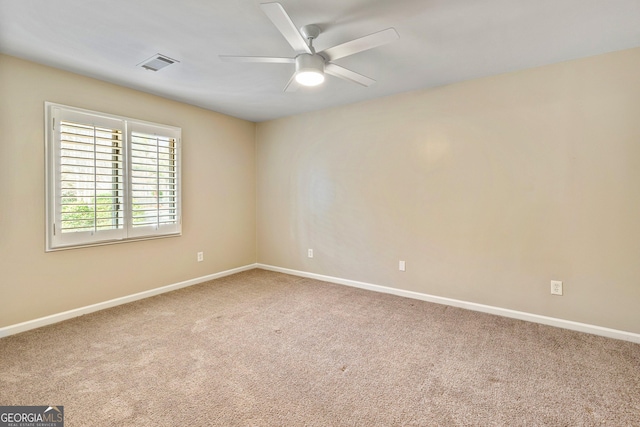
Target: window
[(109, 178)]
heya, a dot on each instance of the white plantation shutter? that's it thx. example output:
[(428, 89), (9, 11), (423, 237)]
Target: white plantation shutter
[(154, 180), (89, 173), (109, 178)]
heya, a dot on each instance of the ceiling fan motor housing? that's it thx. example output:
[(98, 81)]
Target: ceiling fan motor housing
[(307, 62), (309, 69)]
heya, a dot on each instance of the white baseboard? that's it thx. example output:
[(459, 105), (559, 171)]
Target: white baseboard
[(59, 317), (535, 318)]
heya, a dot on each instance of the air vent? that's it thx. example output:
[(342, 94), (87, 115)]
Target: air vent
[(157, 62)]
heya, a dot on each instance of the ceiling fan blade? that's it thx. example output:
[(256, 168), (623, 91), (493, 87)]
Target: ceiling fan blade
[(292, 84), (265, 59), (285, 25), (361, 44), (345, 74)]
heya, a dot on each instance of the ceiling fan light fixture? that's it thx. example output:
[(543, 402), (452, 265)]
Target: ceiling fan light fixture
[(310, 78), (309, 69)]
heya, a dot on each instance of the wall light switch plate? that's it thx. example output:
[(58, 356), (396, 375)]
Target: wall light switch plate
[(402, 266)]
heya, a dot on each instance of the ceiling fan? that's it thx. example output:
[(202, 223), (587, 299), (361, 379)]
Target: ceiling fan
[(311, 66)]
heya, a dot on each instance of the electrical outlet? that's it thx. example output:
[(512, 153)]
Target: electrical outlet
[(200, 256), (402, 266), (556, 287), (310, 253)]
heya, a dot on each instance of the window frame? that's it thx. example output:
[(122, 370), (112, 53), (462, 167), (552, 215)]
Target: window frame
[(127, 231)]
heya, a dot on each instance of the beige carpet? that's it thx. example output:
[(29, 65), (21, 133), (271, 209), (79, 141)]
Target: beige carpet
[(266, 349)]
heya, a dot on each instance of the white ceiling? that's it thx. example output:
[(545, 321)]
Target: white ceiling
[(441, 42)]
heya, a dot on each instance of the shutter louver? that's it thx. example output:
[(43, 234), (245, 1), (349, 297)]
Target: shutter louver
[(154, 180)]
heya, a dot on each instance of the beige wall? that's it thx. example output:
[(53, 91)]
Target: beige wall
[(218, 198), (488, 189)]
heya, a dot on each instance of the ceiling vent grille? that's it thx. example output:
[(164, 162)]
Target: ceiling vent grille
[(157, 62)]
